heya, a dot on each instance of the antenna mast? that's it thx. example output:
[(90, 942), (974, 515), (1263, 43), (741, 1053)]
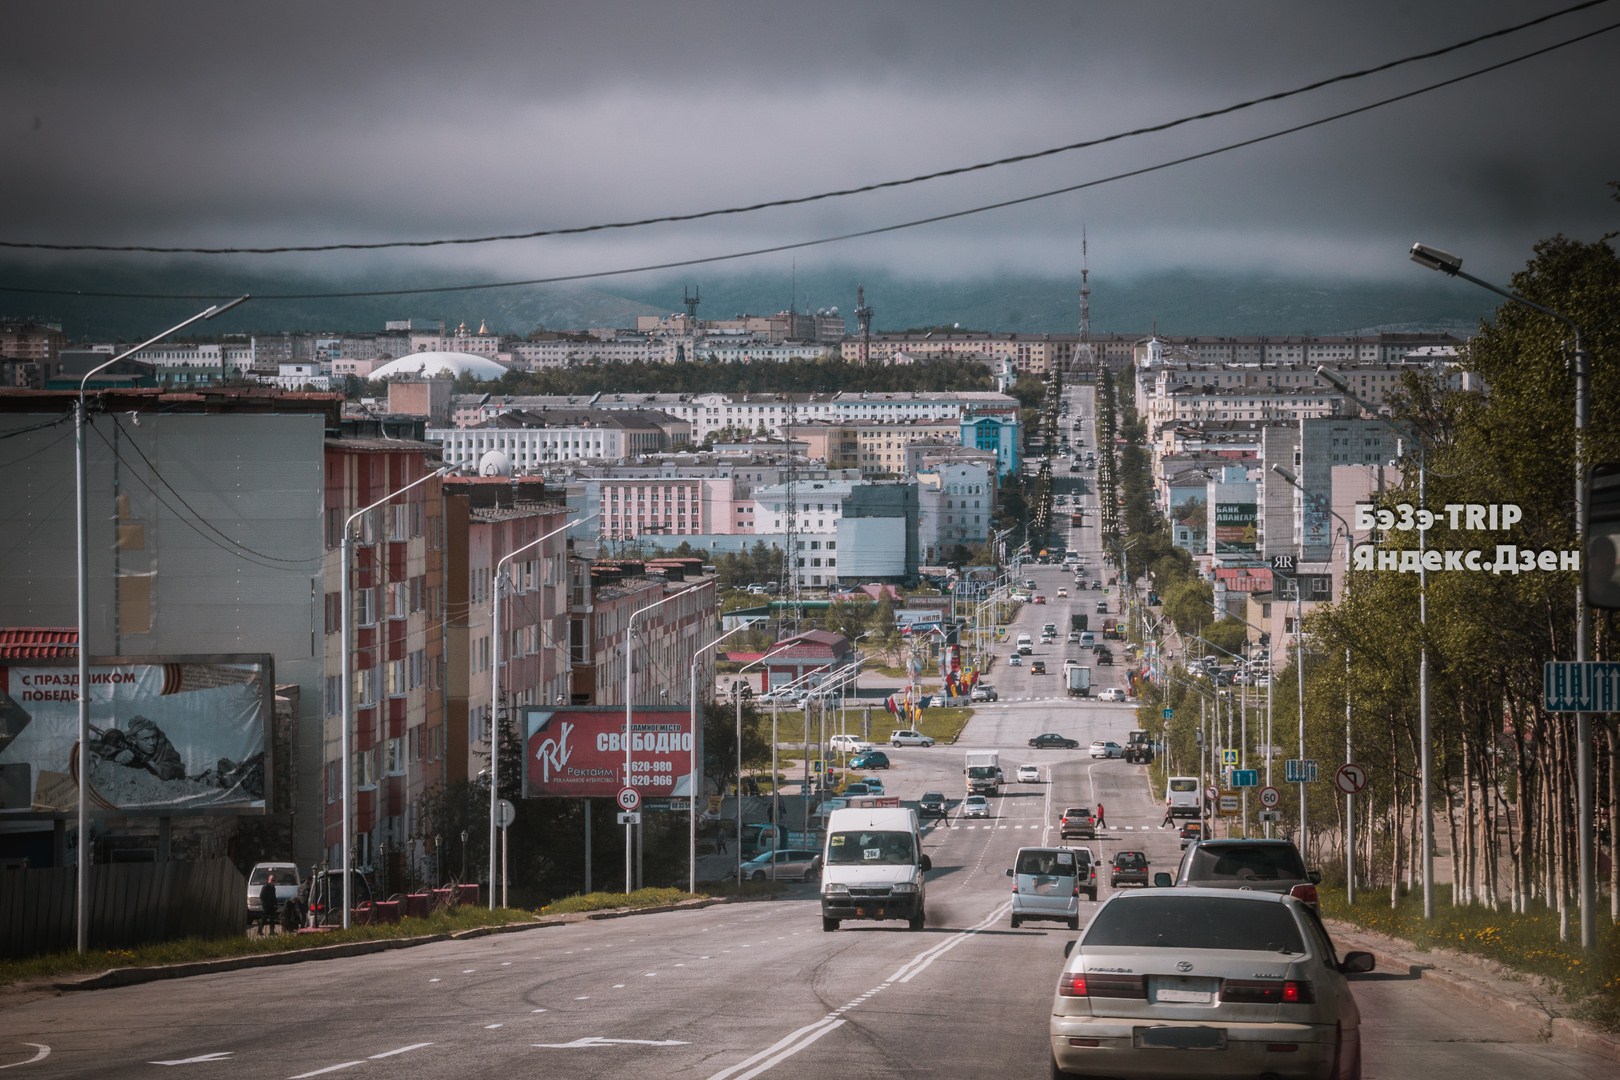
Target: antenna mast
[(691, 300), (863, 319)]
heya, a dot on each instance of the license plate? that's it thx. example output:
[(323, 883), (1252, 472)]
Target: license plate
[(1180, 1038), (1199, 997)]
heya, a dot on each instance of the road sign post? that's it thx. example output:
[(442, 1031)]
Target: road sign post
[(629, 798)]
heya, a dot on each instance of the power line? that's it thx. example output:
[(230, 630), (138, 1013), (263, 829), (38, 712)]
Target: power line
[(801, 200), (859, 234)]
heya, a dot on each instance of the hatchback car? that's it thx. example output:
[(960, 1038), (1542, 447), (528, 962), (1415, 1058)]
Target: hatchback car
[(790, 864), (1262, 865), (1102, 749), (976, 806), (1052, 740), (1127, 868), (1165, 976), (1047, 883), (906, 738), (1077, 821), (870, 759), (1029, 774), (1113, 693), (931, 805)]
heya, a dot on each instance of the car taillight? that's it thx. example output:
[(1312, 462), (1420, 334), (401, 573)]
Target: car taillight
[(1079, 984), (1268, 991), (1304, 893)]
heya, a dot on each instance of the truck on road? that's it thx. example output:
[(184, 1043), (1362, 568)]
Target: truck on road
[(1076, 678), (1138, 748), (983, 771)]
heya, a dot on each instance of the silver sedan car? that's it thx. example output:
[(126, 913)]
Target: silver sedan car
[(1209, 983)]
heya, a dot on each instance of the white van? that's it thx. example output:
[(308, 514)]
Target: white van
[(873, 866), (1026, 644), (1182, 797)]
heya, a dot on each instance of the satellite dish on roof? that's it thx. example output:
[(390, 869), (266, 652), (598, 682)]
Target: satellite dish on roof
[(494, 463)]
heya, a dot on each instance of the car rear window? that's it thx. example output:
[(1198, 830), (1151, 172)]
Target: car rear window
[(1046, 862), (1196, 922), (1237, 862)]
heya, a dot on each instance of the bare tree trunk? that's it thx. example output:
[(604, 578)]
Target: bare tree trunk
[(1463, 848), (1394, 825)]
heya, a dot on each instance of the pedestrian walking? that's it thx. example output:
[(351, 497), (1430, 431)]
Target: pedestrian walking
[(720, 840), (267, 905), (1102, 820), (1169, 817)]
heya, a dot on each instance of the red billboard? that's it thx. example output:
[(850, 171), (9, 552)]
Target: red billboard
[(579, 753)]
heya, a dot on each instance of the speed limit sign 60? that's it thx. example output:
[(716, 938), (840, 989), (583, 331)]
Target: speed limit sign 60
[(1270, 797), (629, 798)]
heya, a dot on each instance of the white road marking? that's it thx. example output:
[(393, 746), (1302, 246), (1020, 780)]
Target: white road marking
[(597, 1040), (43, 1052), (401, 1050), (780, 1050), (492, 1027), (329, 1068), (217, 1056)]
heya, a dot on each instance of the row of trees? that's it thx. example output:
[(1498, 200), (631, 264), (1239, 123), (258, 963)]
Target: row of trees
[(829, 374), (1503, 767)]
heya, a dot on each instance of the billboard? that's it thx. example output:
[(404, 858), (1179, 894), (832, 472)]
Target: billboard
[(167, 736), (1236, 528), (578, 753)]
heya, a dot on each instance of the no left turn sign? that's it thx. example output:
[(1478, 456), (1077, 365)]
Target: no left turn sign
[(1350, 778), (629, 798)]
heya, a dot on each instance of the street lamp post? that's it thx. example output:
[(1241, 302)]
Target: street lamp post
[(737, 698), (82, 485), (495, 696), (629, 735), (1349, 799), (1435, 259), (692, 769), (346, 600)]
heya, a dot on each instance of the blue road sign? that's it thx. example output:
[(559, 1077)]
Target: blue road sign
[(1245, 777), (1300, 770), (1590, 686)]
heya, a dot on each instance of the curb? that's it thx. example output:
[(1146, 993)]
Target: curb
[(135, 976), (1506, 993)]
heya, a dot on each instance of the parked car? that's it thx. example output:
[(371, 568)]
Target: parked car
[(1262, 865), (790, 864), (1162, 974), (1104, 749), (287, 881), (1128, 868), (320, 898), (849, 744), (1113, 693), (1052, 740), (985, 692), (1078, 821), (976, 806), (874, 785), (1047, 882), (869, 759), (1029, 774), (932, 805), (858, 788), (904, 738)]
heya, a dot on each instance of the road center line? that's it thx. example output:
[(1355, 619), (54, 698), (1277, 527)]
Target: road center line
[(401, 1050), (780, 1050), (329, 1068)]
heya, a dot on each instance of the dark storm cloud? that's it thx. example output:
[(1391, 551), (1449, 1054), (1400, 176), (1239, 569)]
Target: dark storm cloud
[(300, 123)]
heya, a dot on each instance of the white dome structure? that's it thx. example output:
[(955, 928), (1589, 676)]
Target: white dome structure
[(450, 364)]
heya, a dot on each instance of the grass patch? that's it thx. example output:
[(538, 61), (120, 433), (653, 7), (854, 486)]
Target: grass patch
[(607, 901), (1528, 943), (190, 950)]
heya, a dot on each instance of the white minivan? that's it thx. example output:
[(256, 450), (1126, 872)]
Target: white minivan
[(1026, 644), (873, 866), (1181, 796)]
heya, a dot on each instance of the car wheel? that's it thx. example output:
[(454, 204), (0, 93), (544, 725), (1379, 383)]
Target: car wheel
[(828, 924), (1015, 922), (812, 875), (1074, 923), (758, 875), (917, 921)]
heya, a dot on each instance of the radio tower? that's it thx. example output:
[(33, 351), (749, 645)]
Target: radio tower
[(691, 300), (1085, 360), (863, 319)]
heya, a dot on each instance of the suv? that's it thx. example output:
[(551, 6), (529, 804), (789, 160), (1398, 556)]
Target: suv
[(984, 692), (931, 805), (1037, 667), (1262, 865), (1128, 867), (1078, 821)]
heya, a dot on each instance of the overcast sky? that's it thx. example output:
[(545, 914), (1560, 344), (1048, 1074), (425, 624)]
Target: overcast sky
[(292, 123)]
